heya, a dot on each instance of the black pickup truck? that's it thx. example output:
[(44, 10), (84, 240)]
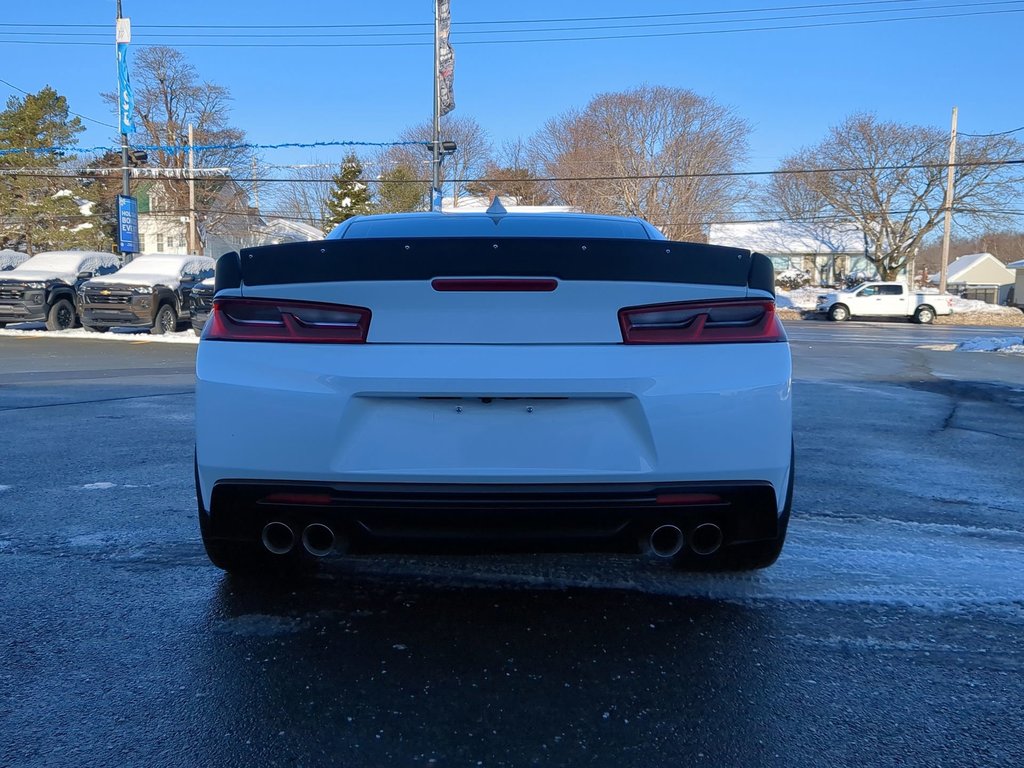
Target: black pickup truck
[(150, 292), (43, 288), (200, 305)]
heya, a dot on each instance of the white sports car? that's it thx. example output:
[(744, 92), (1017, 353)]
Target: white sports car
[(494, 381)]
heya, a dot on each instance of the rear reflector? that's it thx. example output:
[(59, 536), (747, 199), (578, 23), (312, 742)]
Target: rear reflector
[(235, 319), (493, 284), (319, 499), (720, 321)]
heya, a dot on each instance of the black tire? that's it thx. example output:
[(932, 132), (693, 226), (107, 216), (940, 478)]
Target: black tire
[(197, 331), (96, 328), (839, 313), (166, 320), (750, 556), (61, 316), (3, 325), (924, 315)]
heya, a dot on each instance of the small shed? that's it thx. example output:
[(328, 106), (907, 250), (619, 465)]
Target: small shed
[(979, 276), (1017, 293)]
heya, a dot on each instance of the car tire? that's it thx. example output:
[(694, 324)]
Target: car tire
[(61, 316), (197, 331), (839, 313), (749, 556), (924, 315), (96, 328), (166, 320)]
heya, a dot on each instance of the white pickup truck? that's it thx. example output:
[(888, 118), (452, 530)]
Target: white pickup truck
[(883, 300)]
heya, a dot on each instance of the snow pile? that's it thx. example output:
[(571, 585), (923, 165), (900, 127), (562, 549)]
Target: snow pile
[(156, 270), (10, 259), (963, 306), (1013, 345), (800, 298), (37, 330)]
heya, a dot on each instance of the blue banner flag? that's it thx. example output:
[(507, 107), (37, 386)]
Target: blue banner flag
[(125, 98), (127, 224)]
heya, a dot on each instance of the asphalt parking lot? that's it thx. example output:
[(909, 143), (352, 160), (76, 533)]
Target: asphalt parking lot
[(889, 632)]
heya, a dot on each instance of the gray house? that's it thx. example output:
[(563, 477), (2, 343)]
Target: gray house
[(1017, 292), (979, 276)]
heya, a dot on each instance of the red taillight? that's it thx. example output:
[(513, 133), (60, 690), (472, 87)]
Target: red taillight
[(493, 284), (281, 320), (720, 321)]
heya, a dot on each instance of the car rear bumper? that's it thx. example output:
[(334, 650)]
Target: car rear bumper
[(394, 414), (571, 517)]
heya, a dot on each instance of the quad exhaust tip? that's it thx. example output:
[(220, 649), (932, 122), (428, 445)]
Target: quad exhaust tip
[(666, 541), (278, 538), (318, 539), (706, 539)]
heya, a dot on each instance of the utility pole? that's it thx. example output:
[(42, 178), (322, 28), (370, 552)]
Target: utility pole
[(192, 244), (950, 169), (255, 187), (435, 145), (126, 256)]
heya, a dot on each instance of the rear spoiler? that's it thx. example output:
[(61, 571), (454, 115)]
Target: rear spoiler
[(426, 258)]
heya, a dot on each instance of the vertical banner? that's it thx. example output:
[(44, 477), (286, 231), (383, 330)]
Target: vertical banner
[(445, 58), (125, 98), (127, 224)]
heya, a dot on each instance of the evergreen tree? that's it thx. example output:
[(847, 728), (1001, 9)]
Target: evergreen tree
[(348, 196), (39, 211), (400, 191)]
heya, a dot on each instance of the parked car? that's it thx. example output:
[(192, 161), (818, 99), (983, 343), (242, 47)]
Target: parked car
[(152, 291), (43, 287), (883, 300), (499, 380), (200, 303)]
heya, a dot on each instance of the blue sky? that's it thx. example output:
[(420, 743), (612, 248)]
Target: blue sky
[(789, 84)]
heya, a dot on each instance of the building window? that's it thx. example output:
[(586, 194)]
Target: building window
[(171, 242), (159, 243), (142, 243)]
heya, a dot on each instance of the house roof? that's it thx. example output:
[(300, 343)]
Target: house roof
[(785, 237), (480, 203), (959, 270), (1016, 264)]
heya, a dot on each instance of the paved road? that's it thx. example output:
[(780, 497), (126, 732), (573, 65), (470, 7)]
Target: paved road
[(890, 632)]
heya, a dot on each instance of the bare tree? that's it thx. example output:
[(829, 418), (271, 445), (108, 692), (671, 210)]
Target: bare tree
[(169, 95), (472, 154), (305, 196), (889, 179), (657, 148), (513, 173)]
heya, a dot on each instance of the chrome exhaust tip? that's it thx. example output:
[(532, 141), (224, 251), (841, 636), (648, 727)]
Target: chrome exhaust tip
[(706, 539), (666, 541), (318, 539), (278, 538)]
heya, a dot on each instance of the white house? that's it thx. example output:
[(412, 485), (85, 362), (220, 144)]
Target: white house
[(480, 203), (826, 253), (978, 276)]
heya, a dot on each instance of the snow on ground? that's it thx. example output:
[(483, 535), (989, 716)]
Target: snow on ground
[(800, 298), (1013, 345), (962, 306), (137, 335)]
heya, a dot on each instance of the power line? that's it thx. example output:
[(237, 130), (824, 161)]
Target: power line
[(76, 114), (990, 135), (459, 23), (277, 34), (591, 38), (609, 177)]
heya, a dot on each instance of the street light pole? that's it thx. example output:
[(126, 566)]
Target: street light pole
[(435, 145), (126, 256)]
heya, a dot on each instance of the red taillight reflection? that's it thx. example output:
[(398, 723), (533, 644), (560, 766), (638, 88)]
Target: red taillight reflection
[(720, 321), (234, 319)]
